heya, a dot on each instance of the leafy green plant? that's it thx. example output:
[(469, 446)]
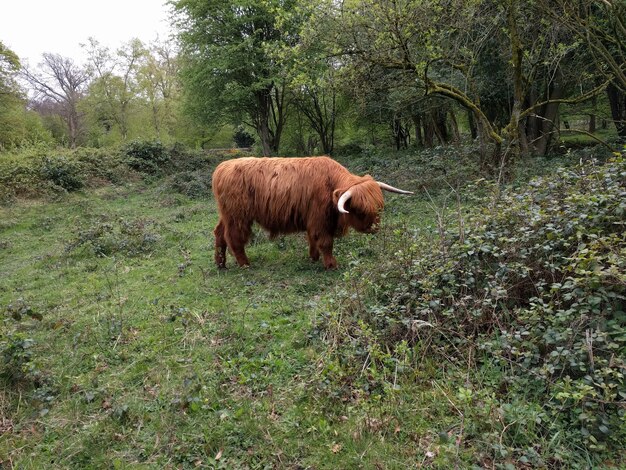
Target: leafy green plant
[(146, 156), (530, 286), (62, 172), (107, 237), (16, 346), (193, 184), (242, 138)]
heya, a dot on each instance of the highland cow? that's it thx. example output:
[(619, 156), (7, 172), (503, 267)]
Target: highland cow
[(315, 195)]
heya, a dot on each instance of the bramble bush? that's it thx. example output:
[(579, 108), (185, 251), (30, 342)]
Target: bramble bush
[(527, 292), (62, 172), (146, 156), (16, 346), (41, 174), (108, 237)]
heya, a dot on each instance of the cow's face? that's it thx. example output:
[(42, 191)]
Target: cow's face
[(363, 222), (361, 205)]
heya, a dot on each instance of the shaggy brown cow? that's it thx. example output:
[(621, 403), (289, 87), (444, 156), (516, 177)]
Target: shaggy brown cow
[(287, 195)]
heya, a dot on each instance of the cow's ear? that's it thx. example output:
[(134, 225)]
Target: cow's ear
[(336, 195)]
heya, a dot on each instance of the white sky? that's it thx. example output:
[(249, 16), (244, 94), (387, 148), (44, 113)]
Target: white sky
[(31, 27)]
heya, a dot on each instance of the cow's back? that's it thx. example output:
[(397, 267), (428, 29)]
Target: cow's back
[(281, 194)]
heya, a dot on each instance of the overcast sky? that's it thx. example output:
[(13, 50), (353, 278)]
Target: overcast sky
[(30, 28)]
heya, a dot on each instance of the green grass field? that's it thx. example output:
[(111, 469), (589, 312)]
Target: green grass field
[(123, 346), (148, 356)]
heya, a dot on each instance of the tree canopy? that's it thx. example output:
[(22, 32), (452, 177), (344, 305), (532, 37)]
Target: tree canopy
[(309, 77)]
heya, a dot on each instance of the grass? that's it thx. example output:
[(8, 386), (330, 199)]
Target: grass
[(149, 357)]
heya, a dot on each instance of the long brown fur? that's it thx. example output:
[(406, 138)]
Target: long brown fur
[(286, 195)]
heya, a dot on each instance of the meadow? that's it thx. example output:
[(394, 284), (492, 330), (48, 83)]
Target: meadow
[(146, 354), (125, 347)]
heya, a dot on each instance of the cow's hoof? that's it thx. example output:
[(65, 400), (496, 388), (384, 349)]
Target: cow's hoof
[(331, 265)]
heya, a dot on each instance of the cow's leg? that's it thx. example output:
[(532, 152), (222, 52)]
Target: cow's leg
[(314, 252), (220, 245), (325, 244), (237, 235)]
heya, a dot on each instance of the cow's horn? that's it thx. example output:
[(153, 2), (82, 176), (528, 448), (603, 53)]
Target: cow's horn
[(386, 187), (342, 200)]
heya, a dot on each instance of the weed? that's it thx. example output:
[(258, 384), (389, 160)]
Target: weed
[(109, 237), (63, 172), (16, 346)]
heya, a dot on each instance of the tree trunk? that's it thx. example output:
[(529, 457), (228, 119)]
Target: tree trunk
[(429, 131), (472, 124), (417, 122), (400, 134), (73, 131), (592, 116), (438, 119), (455, 127), (266, 112), (617, 101), (540, 128), (264, 134)]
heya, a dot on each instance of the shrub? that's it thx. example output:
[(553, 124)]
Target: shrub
[(101, 165), (242, 138), (63, 172), (532, 288), (193, 184), (106, 238), (37, 174), (146, 156), (16, 347)]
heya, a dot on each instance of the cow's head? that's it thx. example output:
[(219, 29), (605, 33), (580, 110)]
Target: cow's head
[(362, 203)]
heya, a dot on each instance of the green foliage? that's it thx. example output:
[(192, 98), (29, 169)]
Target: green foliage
[(531, 288), (62, 172), (146, 156), (231, 71), (153, 357), (107, 237), (243, 138), (9, 66), (193, 184), (37, 173), (16, 347)]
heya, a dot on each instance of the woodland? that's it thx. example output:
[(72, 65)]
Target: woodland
[(312, 77), (483, 326)]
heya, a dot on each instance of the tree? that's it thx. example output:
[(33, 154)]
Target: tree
[(316, 99), (115, 87), (9, 66), (61, 81), (157, 78), (601, 25), (230, 73), (9, 95), (526, 71)]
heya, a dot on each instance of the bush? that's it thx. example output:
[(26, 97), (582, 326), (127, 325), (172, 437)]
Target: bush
[(242, 138), (36, 174), (16, 347), (532, 290), (62, 172), (193, 184), (101, 165), (146, 156), (121, 236)]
